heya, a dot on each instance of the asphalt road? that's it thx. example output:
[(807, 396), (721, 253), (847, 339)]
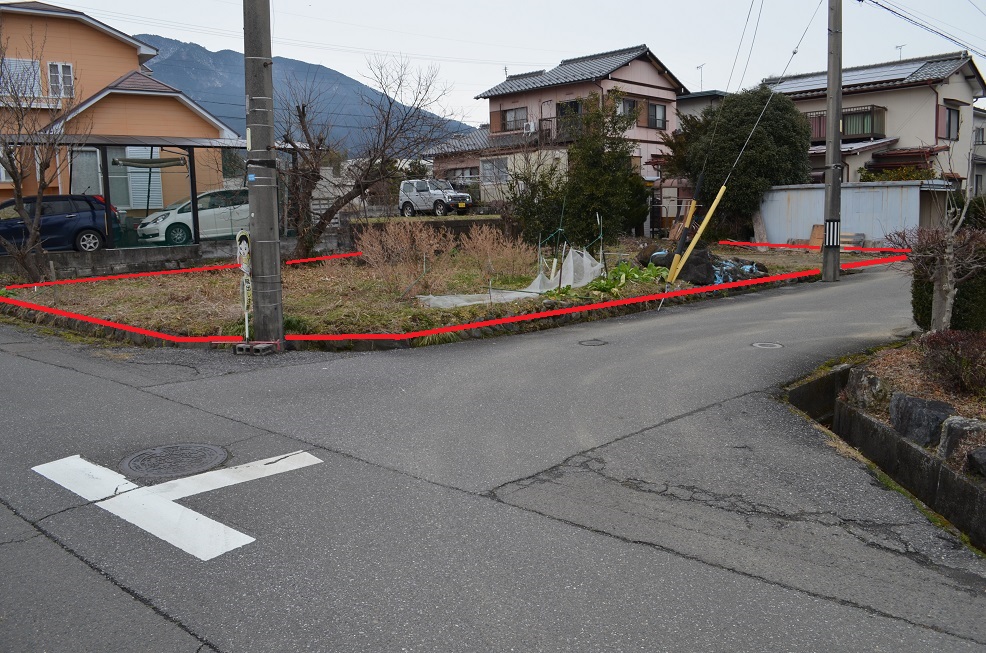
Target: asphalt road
[(624, 485)]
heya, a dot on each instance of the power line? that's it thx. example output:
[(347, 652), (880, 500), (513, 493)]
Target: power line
[(904, 15)]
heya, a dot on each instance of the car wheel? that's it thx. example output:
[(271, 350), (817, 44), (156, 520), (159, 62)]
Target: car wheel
[(178, 234), (441, 208), (407, 210), (88, 240)]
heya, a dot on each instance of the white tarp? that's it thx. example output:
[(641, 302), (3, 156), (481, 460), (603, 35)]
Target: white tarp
[(578, 269)]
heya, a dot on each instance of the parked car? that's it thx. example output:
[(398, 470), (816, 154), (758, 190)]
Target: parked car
[(222, 213), (431, 195), (79, 222)]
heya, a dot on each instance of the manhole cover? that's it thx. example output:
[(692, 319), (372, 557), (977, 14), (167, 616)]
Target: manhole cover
[(593, 343), (173, 460), (767, 345)]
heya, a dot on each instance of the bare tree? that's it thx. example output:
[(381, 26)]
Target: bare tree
[(945, 255), (34, 138), (405, 118)]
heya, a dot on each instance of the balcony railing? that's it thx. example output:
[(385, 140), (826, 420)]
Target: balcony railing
[(858, 123), (559, 130)]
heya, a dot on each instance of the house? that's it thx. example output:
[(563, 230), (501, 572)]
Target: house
[(979, 149), (129, 137), (531, 117), (908, 113)]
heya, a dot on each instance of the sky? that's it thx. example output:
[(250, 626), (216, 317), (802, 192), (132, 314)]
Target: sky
[(706, 44)]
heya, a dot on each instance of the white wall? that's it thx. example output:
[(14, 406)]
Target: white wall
[(873, 209)]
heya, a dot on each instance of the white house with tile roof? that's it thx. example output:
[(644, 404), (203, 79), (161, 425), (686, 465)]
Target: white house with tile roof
[(914, 112)]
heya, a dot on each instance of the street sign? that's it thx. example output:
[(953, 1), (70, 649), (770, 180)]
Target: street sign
[(153, 508)]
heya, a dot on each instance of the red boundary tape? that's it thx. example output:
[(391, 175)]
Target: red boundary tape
[(735, 243), (416, 334)]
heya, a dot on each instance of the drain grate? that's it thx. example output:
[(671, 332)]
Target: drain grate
[(173, 460), (595, 342)]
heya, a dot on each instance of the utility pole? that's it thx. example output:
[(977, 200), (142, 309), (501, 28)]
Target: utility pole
[(833, 148), (262, 173)]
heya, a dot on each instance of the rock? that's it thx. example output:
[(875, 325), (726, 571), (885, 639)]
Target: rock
[(864, 388), (956, 429), (977, 460), (918, 420), (644, 255)]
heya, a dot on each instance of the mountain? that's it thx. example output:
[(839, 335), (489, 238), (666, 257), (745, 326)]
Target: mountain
[(215, 81)]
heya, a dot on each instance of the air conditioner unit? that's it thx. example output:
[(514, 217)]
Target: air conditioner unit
[(530, 127)]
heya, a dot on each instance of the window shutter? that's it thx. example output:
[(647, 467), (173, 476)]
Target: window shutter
[(496, 122), (642, 109), (942, 122), (145, 183)]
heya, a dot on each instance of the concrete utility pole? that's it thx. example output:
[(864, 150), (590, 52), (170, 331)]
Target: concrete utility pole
[(833, 148), (262, 173)]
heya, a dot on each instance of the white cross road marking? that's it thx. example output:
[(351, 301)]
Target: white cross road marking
[(153, 508)]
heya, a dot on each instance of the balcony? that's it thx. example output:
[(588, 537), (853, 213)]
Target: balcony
[(858, 123), (559, 130)]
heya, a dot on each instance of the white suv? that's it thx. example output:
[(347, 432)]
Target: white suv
[(431, 195), (222, 213)]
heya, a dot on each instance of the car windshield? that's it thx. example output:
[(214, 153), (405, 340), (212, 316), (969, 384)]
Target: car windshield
[(440, 184), (175, 205)]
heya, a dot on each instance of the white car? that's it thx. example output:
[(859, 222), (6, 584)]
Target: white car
[(431, 195), (222, 213)]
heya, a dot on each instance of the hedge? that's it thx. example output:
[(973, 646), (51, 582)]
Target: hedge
[(969, 311)]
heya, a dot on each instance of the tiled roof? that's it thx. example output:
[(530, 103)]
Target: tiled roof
[(38, 6), (889, 74), (569, 71), (138, 81), (479, 140)]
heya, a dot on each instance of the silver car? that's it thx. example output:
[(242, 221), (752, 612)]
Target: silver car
[(432, 195)]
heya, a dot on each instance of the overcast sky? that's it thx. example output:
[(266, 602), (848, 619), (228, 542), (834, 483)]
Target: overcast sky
[(473, 43)]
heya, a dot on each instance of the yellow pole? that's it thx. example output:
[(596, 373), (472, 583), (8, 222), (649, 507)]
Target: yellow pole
[(698, 234), (684, 229)]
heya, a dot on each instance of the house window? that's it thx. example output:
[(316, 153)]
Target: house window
[(657, 116), (20, 78), (570, 108), (626, 107), (61, 82), (493, 170), (978, 134), (948, 123), (514, 119), (979, 184)]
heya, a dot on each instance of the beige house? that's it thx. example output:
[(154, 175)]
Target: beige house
[(531, 116), (915, 112), (979, 150), (92, 82)]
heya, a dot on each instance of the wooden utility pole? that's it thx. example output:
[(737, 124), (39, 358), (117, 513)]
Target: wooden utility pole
[(833, 148), (262, 173)]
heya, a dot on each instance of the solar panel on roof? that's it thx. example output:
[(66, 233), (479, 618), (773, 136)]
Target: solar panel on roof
[(802, 84), (886, 73)]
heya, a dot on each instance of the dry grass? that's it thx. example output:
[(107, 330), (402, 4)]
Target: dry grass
[(371, 295)]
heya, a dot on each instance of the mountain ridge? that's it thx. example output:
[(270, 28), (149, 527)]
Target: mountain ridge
[(215, 80)]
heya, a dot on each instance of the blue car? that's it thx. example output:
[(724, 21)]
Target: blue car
[(79, 222)]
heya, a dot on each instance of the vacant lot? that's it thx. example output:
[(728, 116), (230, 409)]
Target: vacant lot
[(372, 294)]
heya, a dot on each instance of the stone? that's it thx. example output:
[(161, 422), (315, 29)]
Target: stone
[(954, 430), (864, 388), (919, 420), (977, 460)]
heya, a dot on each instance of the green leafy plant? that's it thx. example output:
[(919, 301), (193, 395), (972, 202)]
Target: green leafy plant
[(624, 273)]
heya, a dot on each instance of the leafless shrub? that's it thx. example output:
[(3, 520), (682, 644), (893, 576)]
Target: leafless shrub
[(402, 252), (492, 253)]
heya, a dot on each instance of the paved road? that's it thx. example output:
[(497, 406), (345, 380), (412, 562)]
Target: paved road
[(539, 492)]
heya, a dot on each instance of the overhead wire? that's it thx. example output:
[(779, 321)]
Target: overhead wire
[(904, 15)]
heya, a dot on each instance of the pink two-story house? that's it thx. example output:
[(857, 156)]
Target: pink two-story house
[(530, 113)]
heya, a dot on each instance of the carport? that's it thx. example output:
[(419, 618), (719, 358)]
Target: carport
[(186, 147)]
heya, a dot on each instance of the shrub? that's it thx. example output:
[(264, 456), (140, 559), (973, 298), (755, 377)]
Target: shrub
[(401, 250), (969, 311), (958, 358), (493, 254)]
